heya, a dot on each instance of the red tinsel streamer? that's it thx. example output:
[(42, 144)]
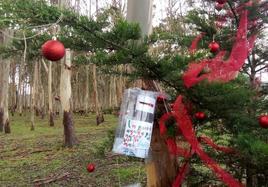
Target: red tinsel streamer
[(210, 142), (195, 42), (183, 171), (217, 69), (187, 129), (180, 177)]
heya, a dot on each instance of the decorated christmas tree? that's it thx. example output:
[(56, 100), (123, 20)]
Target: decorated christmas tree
[(208, 67)]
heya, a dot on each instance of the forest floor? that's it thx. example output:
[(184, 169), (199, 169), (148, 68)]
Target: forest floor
[(38, 158)]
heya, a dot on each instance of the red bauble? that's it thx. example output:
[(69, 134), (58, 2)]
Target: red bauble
[(200, 115), (221, 1), (90, 167), (214, 47), (263, 121), (53, 50), (219, 6)]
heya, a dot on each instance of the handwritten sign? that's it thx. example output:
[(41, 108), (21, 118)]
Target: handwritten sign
[(137, 134)]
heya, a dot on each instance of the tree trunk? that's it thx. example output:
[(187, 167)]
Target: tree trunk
[(50, 104), (99, 114), (65, 97), (33, 94), (21, 80), (4, 82), (161, 167), (4, 117), (13, 89), (87, 90)]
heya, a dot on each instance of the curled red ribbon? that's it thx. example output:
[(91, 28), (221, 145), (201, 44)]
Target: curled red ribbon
[(218, 69)]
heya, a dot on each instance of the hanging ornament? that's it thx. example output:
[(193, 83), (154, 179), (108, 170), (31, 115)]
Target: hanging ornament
[(161, 98), (53, 50), (200, 115), (263, 121), (90, 167), (214, 47), (219, 6), (221, 1)]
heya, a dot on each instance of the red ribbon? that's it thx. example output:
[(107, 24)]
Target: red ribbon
[(184, 122)]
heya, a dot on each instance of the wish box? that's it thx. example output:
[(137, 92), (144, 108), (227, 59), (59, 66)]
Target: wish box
[(134, 132)]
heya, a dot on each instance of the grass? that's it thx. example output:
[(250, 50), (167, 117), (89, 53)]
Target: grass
[(26, 156)]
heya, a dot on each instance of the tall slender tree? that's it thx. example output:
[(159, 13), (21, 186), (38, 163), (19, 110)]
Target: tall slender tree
[(4, 78), (65, 97)]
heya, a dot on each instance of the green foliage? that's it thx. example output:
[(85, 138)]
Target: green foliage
[(202, 21)]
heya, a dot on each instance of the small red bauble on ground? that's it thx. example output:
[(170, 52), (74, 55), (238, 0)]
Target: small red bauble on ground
[(200, 115), (219, 6), (221, 1), (90, 167), (53, 50), (263, 121), (214, 47)]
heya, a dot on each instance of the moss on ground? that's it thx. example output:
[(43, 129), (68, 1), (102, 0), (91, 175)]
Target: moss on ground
[(26, 155)]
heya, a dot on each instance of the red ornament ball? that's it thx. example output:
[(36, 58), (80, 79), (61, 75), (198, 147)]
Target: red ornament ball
[(214, 47), (263, 121), (221, 1), (219, 6), (90, 167), (200, 115), (53, 50)]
